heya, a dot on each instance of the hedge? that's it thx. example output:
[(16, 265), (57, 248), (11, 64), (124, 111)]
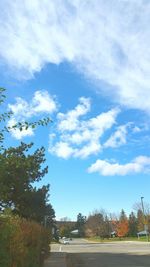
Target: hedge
[(22, 243)]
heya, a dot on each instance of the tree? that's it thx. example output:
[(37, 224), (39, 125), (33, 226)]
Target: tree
[(123, 225), (65, 227), (65, 230), (81, 220), (107, 227), (34, 205), (92, 225), (122, 216), (18, 172), (143, 215), (132, 225), (140, 220), (138, 206), (98, 225), (23, 125)]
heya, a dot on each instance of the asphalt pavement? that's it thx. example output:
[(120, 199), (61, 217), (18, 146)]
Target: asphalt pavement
[(107, 260), (81, 253)]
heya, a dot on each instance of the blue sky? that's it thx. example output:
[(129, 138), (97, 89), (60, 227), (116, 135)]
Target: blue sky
[(86, 65)]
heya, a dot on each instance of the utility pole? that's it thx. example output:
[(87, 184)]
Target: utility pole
[(45, 220), (142, 206), (145, 225)]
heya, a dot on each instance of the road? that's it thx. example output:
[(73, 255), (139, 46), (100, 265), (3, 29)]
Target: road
[(80, 253)]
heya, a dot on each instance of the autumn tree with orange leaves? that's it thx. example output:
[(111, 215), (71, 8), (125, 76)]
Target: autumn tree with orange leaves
[(123, 225)]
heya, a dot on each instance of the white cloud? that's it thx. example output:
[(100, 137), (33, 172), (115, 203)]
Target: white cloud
[(93, 147), (16, 133), (78, 136), (137, 129), (141, 128), (118, 138), (108, 41), (62, 150), (140, 164), (70, 120), (41, 103)]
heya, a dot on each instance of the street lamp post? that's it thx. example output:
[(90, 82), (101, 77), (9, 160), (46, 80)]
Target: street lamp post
[(142, 206), (145, 225), (45, 220)]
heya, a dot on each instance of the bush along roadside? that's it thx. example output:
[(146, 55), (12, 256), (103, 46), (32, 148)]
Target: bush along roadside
[(23, 243)]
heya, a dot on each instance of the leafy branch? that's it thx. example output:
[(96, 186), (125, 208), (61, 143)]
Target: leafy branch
[(19, 125)]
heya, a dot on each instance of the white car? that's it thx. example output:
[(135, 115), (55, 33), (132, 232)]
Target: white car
[(66, 242)]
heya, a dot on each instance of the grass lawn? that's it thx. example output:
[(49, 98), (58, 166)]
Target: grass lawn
[(98, 239)]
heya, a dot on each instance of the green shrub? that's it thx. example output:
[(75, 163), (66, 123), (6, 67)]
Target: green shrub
[(22, 242)]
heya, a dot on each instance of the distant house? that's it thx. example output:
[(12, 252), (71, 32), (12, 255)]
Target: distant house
[(143, 233), (65, 227), (75, 232), (113, 234), (65, 223)]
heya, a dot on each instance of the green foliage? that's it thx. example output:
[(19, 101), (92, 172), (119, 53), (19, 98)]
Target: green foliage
[(20, 125), (18, 172), (65, 230), (65, 227), (21, 242), (140, 220), (98, 225), (132, 225), (80, 225), (122, 216)]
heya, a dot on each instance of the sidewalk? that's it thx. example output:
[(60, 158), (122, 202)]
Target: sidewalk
[(56, 259)]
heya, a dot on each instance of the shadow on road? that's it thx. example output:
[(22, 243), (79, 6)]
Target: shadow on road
[(107, 260)]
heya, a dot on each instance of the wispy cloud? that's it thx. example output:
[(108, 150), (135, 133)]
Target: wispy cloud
[(118, 138), (16, 133), (78, 136), (70, 120), (108, 41), (140, 164), (41, 103)]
